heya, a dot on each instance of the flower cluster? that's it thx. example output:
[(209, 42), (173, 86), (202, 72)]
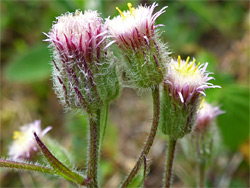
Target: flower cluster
[(24, 143), (84, 74), (184, 84), (135, 33), (85, 78)]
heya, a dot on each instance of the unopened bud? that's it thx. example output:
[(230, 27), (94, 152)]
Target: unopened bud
[(84, 74)]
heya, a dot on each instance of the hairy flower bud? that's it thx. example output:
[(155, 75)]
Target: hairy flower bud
[(184, 84), (135, 33), (201, 141), (24, 143), (84, 75), (206, 114)]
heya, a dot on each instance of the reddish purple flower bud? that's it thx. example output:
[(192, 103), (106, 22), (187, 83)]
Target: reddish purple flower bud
[(84, 75), (205, 139), (186, 82), (206, 114), (135, 32), (184, 85), (204, 143)]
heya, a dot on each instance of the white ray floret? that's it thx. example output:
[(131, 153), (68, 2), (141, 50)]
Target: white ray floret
[(24, 143)]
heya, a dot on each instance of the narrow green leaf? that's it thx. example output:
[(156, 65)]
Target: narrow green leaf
[(59, 167)]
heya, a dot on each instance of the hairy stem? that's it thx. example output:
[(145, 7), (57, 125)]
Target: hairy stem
[(24, 166), (94, 138), (104, 119), (200, 148), (150, 139), (201, 176), (170, 161)]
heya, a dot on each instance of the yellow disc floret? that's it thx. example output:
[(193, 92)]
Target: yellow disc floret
[(16, 135), (19, 136), (121, 13), (131, 9), (130, 13), (186, 69)]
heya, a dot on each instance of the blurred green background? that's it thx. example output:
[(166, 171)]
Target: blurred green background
[(212, 31)]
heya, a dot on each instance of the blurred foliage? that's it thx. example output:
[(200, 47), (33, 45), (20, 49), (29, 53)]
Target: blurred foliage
[(212, 31), (30, 66)]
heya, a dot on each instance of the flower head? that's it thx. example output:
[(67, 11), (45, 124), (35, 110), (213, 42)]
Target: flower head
[(84, 74), (184, 85), (134, 31), (186, 80), (24, 143), (206, 114)]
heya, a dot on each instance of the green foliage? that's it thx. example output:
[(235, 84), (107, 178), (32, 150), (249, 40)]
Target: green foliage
[(237, 183), (29, 67), (205, 56), (234, 124), (226, 18), (186, 22)]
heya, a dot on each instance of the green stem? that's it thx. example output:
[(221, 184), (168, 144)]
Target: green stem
[(170, 161), (150, 139), (202, 165), (104, 119), (200, 149), (94, 152), (24, 166)]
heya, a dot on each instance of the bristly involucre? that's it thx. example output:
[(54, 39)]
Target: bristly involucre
[(84, 73), (136, 34), (184, 85)]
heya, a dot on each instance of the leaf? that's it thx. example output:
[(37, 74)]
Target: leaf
[(234, 124), (29, 67), (59, 152), (59, 167), (139, 179)]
